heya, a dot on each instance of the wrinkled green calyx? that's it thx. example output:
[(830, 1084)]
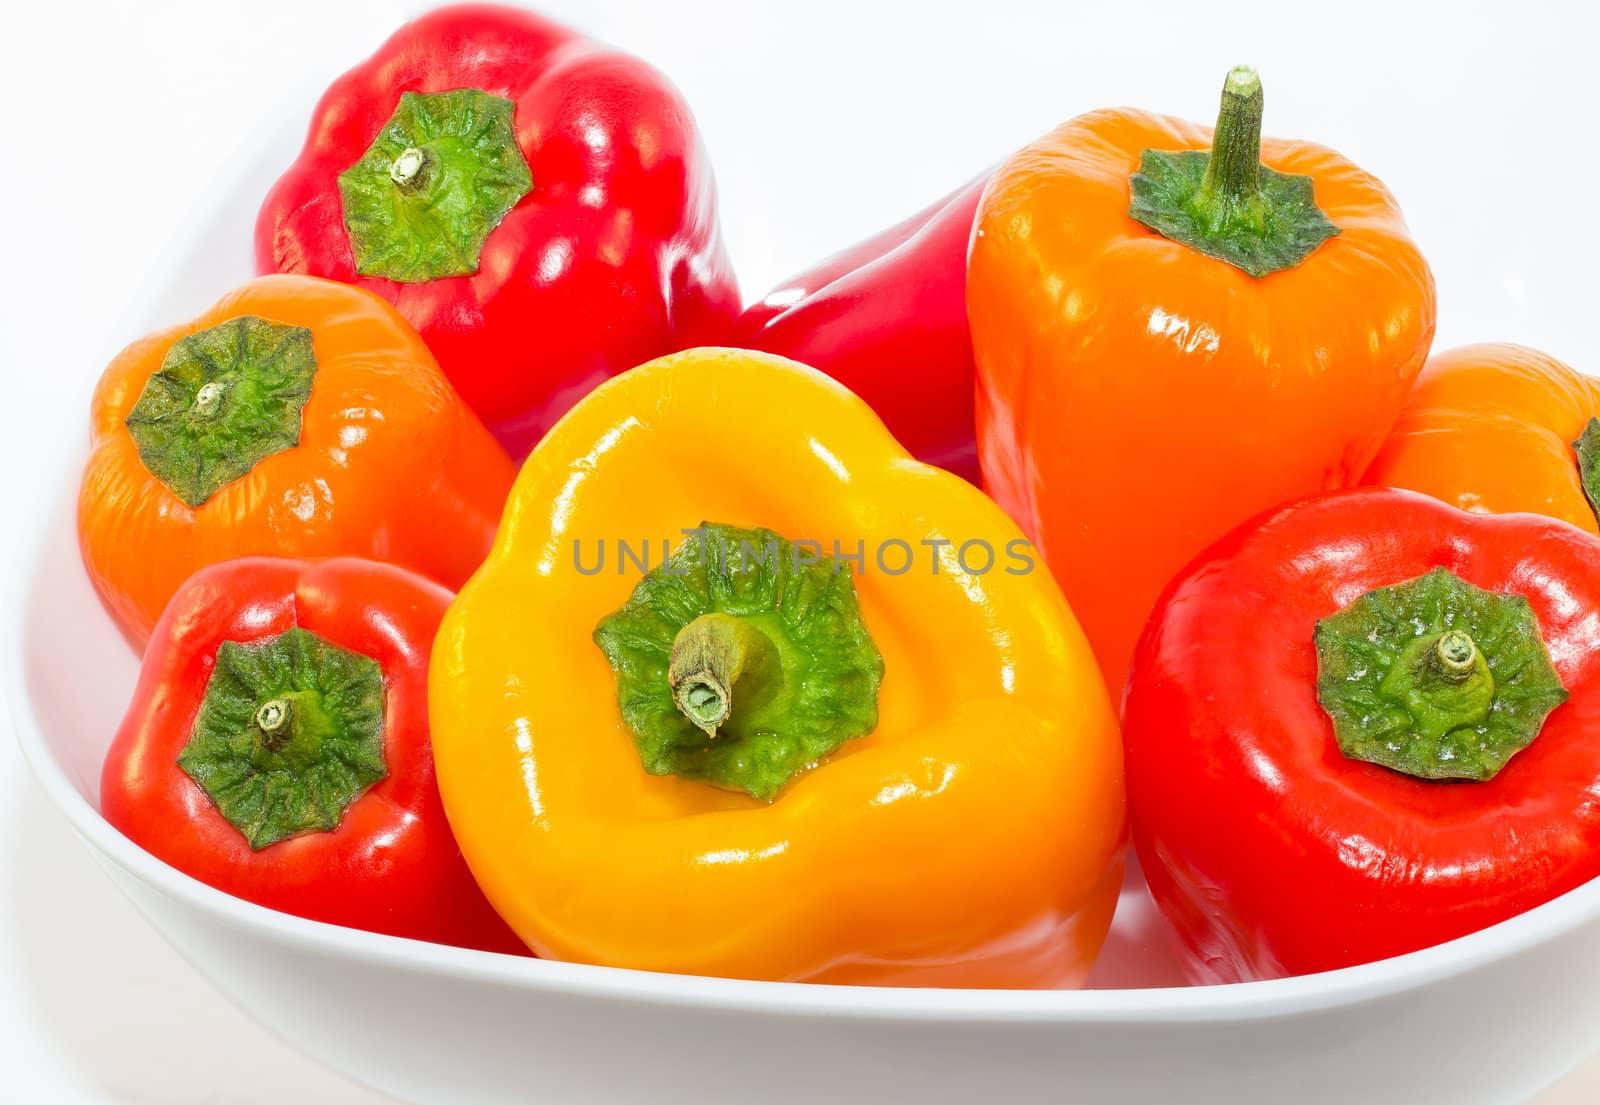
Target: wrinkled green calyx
[(442, 173), (1223, 201), (223, 400), (288, 735), (1435, 678), (742, 660), (1588, 449)]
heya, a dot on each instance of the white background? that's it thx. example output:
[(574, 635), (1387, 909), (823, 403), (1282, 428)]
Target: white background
[(826, 120)]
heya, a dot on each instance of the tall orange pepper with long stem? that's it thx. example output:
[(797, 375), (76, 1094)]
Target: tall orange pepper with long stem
[(1175, 329)]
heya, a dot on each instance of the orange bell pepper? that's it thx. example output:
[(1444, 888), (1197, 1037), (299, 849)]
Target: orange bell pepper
[(1176, 329), (1496, 429), (640, 804), (297, 417)]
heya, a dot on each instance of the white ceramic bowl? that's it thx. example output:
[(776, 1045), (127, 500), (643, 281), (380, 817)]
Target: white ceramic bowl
[(1488, 1019)]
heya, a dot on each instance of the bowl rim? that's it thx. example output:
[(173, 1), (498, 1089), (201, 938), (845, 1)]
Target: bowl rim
[(1236, 1001)]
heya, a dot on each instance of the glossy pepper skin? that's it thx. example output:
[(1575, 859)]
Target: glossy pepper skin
[(612, 257), (1272, 853), (391, 864), (1138, 398), (388, 463), (888, 319), (971, 839), (1491, 428)]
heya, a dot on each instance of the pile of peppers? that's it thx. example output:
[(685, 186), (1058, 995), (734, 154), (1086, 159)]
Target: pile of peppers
[(499, 583)]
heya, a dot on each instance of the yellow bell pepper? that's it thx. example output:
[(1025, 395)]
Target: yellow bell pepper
[(919, 776)]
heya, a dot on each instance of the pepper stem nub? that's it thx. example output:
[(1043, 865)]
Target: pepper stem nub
[(208, 398), (273, 715), (406, 170), (1456, 652), (710, 657)]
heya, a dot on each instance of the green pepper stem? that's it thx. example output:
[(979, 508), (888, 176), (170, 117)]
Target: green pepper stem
[(1223, 202), (1435, 677), (289, 733), (1444, 683), (224, 399), (439, 176), (710, 657), (1234, 171), (776, 672)]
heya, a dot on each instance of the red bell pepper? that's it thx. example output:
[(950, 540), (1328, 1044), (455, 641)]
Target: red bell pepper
[(277, 749), (536, 204), (1346, 736), (888, 319)]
